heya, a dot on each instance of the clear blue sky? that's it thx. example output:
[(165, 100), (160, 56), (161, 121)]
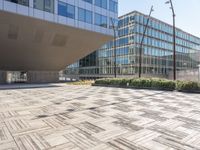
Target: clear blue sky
[(187, 12)]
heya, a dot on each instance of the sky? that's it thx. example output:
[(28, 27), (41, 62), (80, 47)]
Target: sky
[(187, 12)]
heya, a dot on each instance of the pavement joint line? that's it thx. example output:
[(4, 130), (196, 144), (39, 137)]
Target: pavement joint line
[(11, 135), (48, 116), (138, 119)]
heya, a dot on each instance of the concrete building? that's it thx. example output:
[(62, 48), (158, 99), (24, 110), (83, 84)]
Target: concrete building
[(157, 51), (42, 37)]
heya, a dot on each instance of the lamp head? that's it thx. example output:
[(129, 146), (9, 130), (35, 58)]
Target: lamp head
[(152, 8), (167, 2)]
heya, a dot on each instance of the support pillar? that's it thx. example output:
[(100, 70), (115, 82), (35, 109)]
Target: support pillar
[(42, 76), (3, 77)]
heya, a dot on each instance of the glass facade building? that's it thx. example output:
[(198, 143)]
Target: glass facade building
[(92, 15), (41, 37), (157, 50)]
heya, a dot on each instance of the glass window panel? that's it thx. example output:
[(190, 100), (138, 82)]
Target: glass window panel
[(101, 3), (104, 21), (49, 5), (38, 4), (70, 11), (66, 10), (113, 21), (21, 2), (88, 17), (89, 1), (45, 5), (81, 14), (97, 19), (104, 4), (98, 3), (85, 15), (113, 6), (62, 9)]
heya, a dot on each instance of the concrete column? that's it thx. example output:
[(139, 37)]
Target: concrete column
[(3, 77), (42, 76)]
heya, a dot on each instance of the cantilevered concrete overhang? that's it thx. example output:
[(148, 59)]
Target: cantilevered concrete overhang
[(32, 44)]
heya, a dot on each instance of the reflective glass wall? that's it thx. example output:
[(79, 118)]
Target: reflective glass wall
[(82, 13), (45, 5), (21, 2), (66, 10), (157, 49)]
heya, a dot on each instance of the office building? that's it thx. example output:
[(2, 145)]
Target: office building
[(157, 51), (42, 37)]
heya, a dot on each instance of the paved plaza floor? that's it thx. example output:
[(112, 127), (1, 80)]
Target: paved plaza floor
[(71, 117)]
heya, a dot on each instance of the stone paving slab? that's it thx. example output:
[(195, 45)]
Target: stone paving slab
[(68, 117)]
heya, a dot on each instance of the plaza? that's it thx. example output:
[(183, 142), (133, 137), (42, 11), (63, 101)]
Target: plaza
[(60, 116)]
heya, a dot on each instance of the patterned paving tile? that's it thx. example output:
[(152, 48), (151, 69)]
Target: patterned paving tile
[(69, 117)]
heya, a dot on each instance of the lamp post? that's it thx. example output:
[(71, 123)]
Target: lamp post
[(174, 38), (140, 49), (115, 47)]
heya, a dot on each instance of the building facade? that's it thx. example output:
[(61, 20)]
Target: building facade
[(41, 36), (157, 51)]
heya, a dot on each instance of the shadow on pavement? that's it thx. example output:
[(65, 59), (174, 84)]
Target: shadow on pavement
[(26, 86)]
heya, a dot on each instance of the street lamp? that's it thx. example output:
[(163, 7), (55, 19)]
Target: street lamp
[(174, 38), (115, 46), (140, 49)]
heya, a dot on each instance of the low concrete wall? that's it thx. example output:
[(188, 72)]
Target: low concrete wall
[(42, 77)]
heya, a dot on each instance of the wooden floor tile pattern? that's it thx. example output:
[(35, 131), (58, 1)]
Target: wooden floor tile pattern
[(97, 118)]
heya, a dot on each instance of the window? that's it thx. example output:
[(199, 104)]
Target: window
[(85, 15), (101, 20), (113, 6), (62, 9), (88, 17), (81, 14), (104, 4), (66, 10), (113, 21), (70, 11), (104, 21), (88, 1), (45, 5), (98, 3), (101, 3), (48, 5), (21, 2)]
